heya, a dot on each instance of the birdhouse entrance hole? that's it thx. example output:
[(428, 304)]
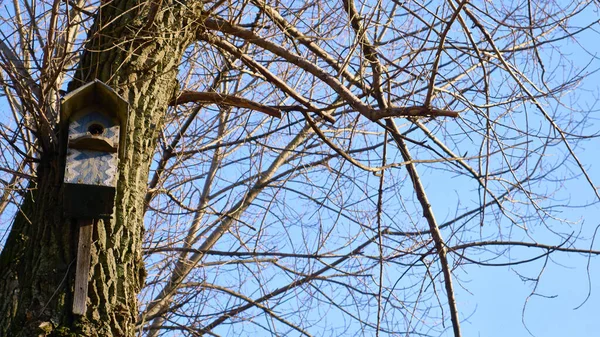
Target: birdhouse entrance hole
[(96, 129)]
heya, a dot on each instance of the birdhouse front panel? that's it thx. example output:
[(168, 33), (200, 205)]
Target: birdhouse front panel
[(91, 167), (92, 148)]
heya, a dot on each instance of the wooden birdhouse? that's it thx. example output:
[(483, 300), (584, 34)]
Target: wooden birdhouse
[(95, 119)]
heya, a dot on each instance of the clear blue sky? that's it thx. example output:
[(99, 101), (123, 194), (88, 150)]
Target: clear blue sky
[(497, 300)]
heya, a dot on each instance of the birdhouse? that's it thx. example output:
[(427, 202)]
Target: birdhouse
[(95, 119)]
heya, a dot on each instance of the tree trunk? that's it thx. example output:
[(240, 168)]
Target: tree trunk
[(135, 48)]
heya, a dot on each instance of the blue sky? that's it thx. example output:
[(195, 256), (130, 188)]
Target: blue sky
[(498, 301)]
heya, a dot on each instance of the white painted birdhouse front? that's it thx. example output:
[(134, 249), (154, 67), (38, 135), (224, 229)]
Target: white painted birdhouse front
[(92, 150)]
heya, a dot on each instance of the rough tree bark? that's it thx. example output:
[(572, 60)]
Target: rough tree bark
[(135, 47)]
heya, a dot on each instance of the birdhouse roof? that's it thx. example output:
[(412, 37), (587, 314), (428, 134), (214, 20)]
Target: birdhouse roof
[(94, 93)]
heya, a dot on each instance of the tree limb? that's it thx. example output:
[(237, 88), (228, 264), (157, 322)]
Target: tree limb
[(187, 96)]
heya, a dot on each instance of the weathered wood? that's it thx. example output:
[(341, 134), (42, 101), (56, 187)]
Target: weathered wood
[(83, 266), (93, 143), (92, 159), (82, 201)]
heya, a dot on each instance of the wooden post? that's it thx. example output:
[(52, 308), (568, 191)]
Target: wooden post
[(82, 270)]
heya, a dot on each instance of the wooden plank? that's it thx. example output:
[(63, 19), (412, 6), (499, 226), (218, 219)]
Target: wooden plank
[(91, 167), (82, 270)]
